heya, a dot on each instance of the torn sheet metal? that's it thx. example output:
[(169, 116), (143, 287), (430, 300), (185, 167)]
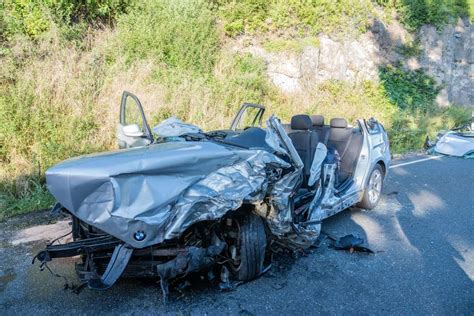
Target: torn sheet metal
[(174, 127), (455, 144), (279, 216), (316, 165), (160, 190), (279, 213)]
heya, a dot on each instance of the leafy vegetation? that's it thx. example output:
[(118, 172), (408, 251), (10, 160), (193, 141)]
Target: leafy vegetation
[(180, 34), (415, 13), (303, 16), (34, 17), (410, 49), (414, 93), (65, 63), (411, 90)]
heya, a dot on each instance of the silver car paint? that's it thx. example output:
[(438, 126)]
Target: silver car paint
[(122, 192)]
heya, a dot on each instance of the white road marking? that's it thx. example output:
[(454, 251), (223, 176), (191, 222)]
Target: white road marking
[(415, 161)]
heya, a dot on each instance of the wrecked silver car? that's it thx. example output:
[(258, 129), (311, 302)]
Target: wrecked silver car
[(176, 200), (458, 143)]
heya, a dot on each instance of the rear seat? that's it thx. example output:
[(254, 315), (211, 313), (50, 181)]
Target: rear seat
[(347, 142), (337, 135), (305, 142), (319, 127)]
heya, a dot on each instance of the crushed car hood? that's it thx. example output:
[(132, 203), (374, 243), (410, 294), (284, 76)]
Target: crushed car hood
[(162, 189), (455, 144)]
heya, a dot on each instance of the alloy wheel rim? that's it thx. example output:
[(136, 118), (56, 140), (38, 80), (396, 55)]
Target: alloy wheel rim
[(375, 186)]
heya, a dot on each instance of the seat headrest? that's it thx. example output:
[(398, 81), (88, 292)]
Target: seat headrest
[(338, 123), (318, 120), (301, 122)]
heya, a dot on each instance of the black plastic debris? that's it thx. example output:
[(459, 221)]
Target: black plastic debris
[(351, 243)]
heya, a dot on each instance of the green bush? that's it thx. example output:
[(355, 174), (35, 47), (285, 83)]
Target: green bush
[(408, 131), (34, 17), (410, 49), (180, 34), (405, 134), (411, 90), (308, 17), (415, 13)]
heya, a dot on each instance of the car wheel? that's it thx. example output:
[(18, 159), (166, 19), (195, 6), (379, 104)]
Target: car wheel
[(373, 189), (247, 242)]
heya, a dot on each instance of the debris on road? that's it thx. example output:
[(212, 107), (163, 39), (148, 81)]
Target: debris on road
[(458, 142), (349, 242)]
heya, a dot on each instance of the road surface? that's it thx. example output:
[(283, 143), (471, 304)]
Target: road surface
[(422, 233)]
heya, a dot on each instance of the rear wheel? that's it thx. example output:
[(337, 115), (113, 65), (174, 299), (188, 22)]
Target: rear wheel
[(373, 189), (247, 242)]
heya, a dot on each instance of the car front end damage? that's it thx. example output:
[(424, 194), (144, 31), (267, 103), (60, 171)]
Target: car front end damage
[(198, 200), (167, 209), (104, 258)]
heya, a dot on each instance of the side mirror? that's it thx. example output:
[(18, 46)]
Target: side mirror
[(132, 130), (371, 123)]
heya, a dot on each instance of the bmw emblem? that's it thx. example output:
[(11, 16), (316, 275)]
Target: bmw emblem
[(139, 235)]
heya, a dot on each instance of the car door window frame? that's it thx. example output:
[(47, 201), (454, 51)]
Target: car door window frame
[(123, 105), (258, 117)]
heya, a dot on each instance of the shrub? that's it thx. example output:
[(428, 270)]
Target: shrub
[(34, 17), (308, 17), (415, 13), (411, 90), (180, 34)]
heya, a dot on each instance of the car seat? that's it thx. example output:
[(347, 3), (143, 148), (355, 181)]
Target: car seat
[(305, 141)]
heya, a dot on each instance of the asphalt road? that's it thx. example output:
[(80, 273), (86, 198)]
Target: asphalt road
[(422, 233)]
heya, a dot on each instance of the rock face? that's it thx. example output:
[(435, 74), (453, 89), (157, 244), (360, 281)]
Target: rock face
[(446, 55)]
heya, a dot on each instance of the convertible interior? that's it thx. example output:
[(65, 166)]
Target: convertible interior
[(306, 132)]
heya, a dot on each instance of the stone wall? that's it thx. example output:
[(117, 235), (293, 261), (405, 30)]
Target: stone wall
[(447, 55)]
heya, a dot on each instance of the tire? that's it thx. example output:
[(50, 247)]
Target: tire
[(373, 189), (252, 243)]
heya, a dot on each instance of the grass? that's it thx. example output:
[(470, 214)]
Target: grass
[(60, 85), (290, 45), (34, 197)]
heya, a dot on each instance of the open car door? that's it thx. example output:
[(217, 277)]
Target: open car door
[(133, 129), (249, 115)]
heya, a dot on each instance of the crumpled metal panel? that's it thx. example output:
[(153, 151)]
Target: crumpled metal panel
[(455, 144), (279, 216), (173, 127), (162, 189)]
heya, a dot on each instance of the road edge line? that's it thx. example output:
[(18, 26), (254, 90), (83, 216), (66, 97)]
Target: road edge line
[(415, 161)]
